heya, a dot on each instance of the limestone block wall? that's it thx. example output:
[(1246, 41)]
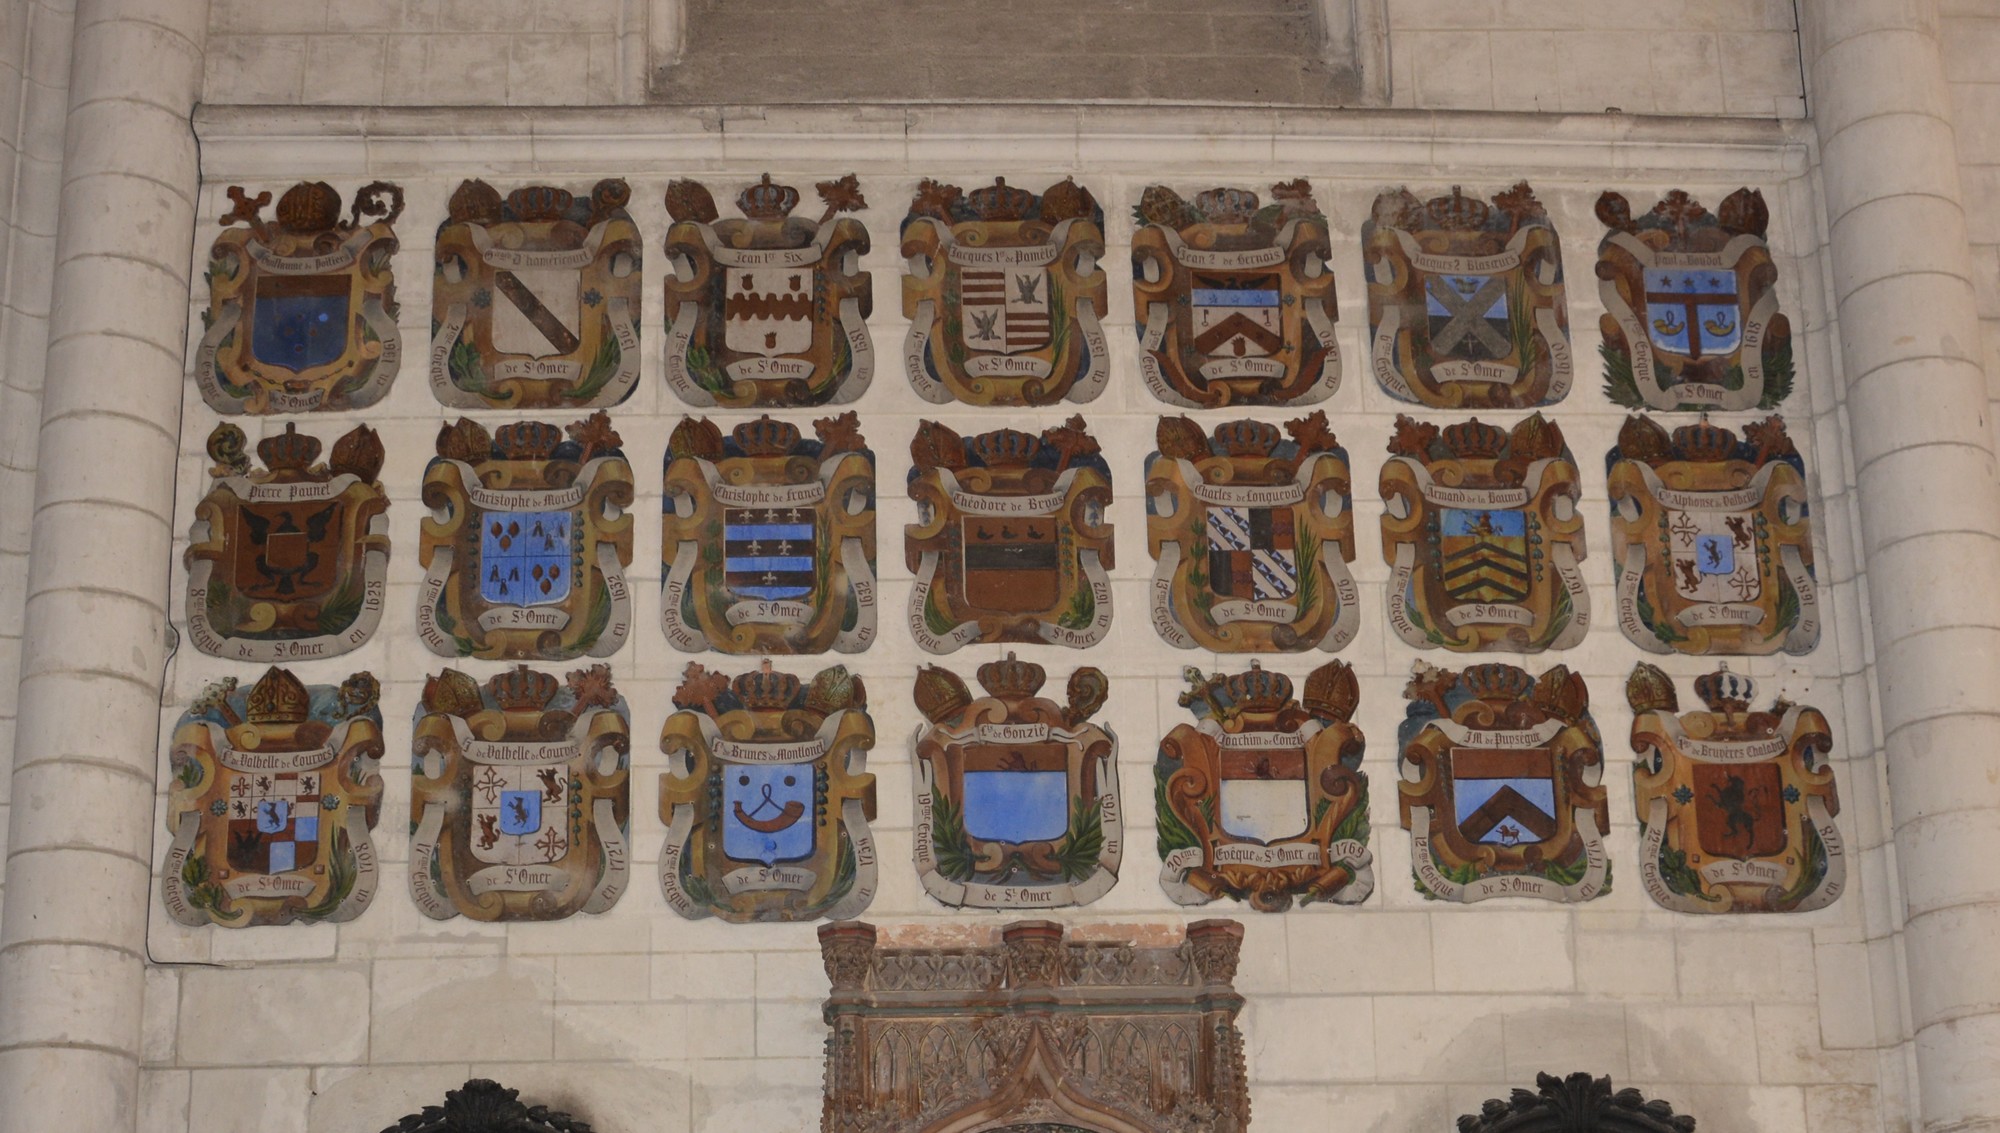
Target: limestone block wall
[(1393, 1016), (1971, 35)]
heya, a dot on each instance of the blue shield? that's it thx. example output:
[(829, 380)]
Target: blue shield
[(1715, 554), (1016, 806), (300, 322), (767, 812), (1503, 798), (768, 552), (525, 557), (520, 812), (1693, 312)]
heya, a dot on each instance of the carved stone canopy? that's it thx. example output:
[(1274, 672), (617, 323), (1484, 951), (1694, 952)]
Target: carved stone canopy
[(1034, 1033), (1576, 1104), (485, 1106)]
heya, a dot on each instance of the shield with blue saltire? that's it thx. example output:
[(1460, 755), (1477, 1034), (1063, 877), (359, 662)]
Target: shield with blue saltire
[(1468, 315), (1252, 552), (767, 812), (768, 553), (1693, 311), (301, 321)]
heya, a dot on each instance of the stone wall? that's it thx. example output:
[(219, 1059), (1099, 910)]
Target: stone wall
[(1971, 40), (1393, 1016)]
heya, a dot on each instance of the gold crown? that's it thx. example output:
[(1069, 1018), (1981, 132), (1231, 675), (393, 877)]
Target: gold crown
[(766, 689), (1475, 440), (528, 440), (278, 698), (1001, 201), (939, 693), (309, 206), (767, 201), (1259, 690), (1724, 691), (1227, 206), (540, 202), (1704, 443), (1332, 693), (1006, 448), (1497, 683), (1011, 679), (1247, 438), (289, 451), (521, 689), (358, 453), (765, 437)]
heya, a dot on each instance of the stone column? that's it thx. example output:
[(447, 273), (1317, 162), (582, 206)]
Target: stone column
[(73, 939), (1930, 516)]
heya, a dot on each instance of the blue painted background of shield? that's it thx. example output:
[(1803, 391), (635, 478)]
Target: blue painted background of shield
[(766, 795), (1721, 327), (520, 812), (525, 557), (1016, 806), (1715, 554), (299, 332)]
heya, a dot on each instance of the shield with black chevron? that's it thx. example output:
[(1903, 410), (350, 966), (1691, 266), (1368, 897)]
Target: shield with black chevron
[(1485, 555)]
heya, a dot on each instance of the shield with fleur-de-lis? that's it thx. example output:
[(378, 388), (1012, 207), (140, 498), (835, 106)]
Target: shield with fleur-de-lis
[(767, 308), (1253, 534), (274, 796), (1711, 539), (769, 538), (535, 301), (525, 550), (1235, 298), (1736, 803), (1017, 796), (520, 793), (302, 309), (1691, 317), (766, 800), (1004, 294)]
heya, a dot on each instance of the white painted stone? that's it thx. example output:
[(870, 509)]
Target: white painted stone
[(273, 1016), (1311, 1039), (249, 1101), (504, 1008), (1695, 1044), (1496, 950)]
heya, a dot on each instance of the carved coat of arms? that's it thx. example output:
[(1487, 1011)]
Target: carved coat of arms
[(1235, 302), (302, 312), (767, 800), (768, 309), (520, 792), (525, 551), (1011, 541), (1005, 295), (290, 562), (1263, 799), (1482, 528), (274, 794), (1465, 301), (1500, 785), (1711, 540), (535, 303), (1691, 317), (769, 539), (1252, 536), (1735, 805), (1017, 796)]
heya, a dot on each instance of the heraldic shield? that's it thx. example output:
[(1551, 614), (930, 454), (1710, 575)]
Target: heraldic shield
[(1235, 301), (1004, 294), (1263, 798), (520, 792), (1482, 529), (1017, 796), (302, 312), (769, 539), (525, 550), (535, 303), (1500, 785), (766, 800), (1011, 541), (1691, 316), (290, 562), (1465, 301), (1252, 536), (1711, 540), (770, 309), (1735, 806), (274, 794)]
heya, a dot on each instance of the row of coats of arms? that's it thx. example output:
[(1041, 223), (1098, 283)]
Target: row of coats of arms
[(536, 299), (769, 541), (521, 792)]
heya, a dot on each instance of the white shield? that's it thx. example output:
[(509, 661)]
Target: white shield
[(1005, 311), (1713, 555), (769, 311)]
